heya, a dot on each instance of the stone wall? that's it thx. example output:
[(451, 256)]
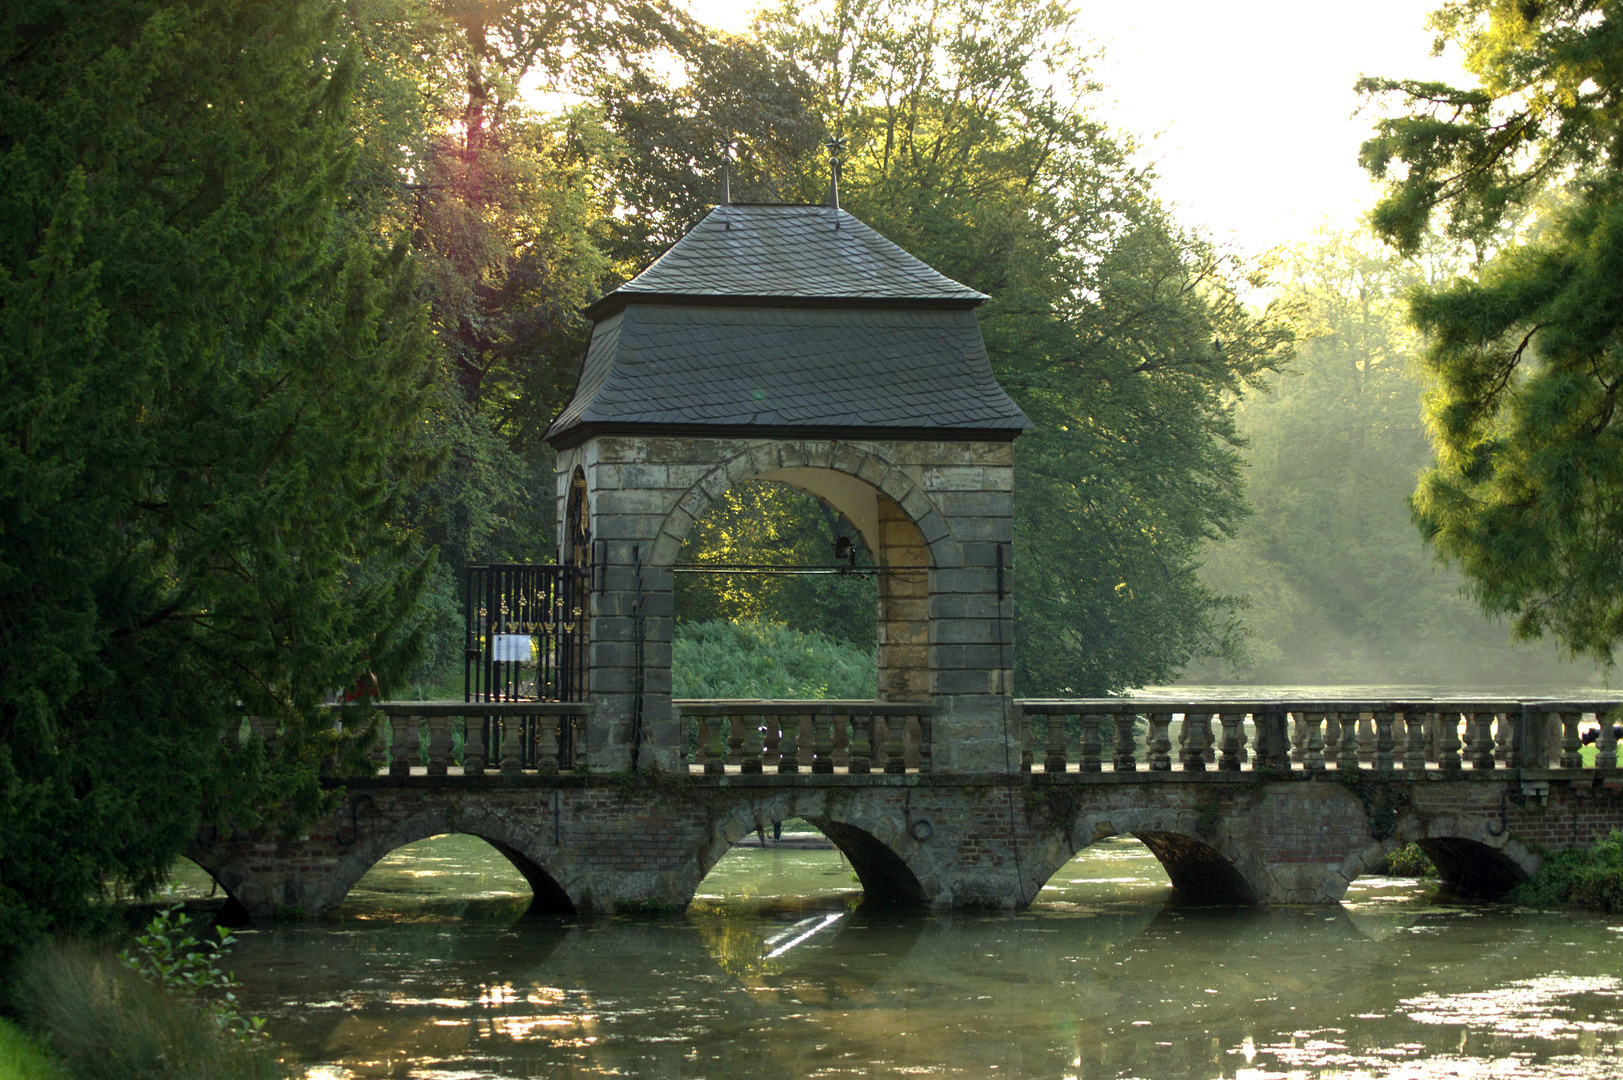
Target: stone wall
[(599, 843)]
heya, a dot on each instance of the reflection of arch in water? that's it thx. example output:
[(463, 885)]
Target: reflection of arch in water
[(872, 844)]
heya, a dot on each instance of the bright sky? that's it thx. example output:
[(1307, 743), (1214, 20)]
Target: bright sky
[(1245, 107)]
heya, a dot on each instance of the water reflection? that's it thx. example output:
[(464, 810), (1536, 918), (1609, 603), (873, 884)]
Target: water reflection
[(778, 971)]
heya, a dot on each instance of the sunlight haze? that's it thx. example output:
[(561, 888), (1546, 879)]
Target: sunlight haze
[(1245, 109)]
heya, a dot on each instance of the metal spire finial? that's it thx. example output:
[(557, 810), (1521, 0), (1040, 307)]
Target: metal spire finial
[(727, 146), (836, 150)]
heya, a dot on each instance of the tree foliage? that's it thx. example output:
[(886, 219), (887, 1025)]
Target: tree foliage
[(1120, 334), (190, 530), (1340, 587), (1527, 492)]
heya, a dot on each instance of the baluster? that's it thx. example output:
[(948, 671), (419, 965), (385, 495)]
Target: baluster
[(822, 744), (1197, 729), (735, 740), (510, 739), (1479, 726), (788, 743), (1298, 738), (473, 745), (439, 746), (399, 749), (701, 739), (771, 738), (840, 743), (1448, 740), (1414, 723), (1233, 741), (1366, 738), (862, 745), (911, 735), (1384, 743), (1313, 743), (895, 745), (1606, 745), (1054, 761), (1348, 758), (1157, 743), (715, 742), (753, 753), (1552, 740), (926, 750), (1091, 748), (880, 728), (1504, 742), (546, 745), (1571, 741), (1123, 760), (1332, 736)]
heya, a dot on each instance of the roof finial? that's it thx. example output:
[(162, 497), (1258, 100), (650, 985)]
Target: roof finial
[(727, 145), (836, 148)]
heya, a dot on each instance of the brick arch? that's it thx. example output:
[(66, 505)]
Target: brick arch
[(868, 466), (1470, 859), (521, 844), (886, 860), (1211, 868)]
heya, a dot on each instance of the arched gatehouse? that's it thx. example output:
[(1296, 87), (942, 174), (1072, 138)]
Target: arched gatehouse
[(794, 344)]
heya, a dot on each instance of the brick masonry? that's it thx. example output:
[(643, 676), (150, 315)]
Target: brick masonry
[(972, 840)]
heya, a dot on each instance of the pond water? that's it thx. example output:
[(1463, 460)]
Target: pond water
[(777, 970)]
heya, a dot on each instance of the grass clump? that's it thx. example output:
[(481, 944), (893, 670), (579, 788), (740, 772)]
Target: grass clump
[(757, 659), (1408, 861), (1590, 877), (161, 1009), (23, 1057)]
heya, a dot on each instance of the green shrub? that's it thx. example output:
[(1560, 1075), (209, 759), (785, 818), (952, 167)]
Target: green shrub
[(25, 1058), (1408, 861), (750, 659), (1590, 877), (163, 1008)]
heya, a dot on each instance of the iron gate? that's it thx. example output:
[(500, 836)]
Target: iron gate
[(526, 629)]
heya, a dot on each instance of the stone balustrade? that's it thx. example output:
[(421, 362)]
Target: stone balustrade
[(1194, 735), (744, 736), (502, 737)]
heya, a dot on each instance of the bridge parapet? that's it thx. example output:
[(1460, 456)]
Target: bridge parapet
[(1163, 733), (820, 737)]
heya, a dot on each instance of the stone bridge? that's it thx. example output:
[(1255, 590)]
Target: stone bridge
[(1284, 802)]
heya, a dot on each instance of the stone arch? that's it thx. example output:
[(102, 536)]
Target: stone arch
[(553, 893), (1471, 860), (1203, 868), (800, 461), (899, 522), (886, 860)]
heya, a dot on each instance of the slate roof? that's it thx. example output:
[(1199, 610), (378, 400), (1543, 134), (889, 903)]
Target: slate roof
[(773, 324), (800, 252)]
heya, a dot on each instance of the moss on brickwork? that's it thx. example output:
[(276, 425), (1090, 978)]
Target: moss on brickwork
[(1385, 798)]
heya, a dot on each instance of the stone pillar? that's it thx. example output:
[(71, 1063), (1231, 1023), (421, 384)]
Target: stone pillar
[(904, 607)]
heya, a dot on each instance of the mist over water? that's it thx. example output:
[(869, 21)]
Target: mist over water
[(777, 970)]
